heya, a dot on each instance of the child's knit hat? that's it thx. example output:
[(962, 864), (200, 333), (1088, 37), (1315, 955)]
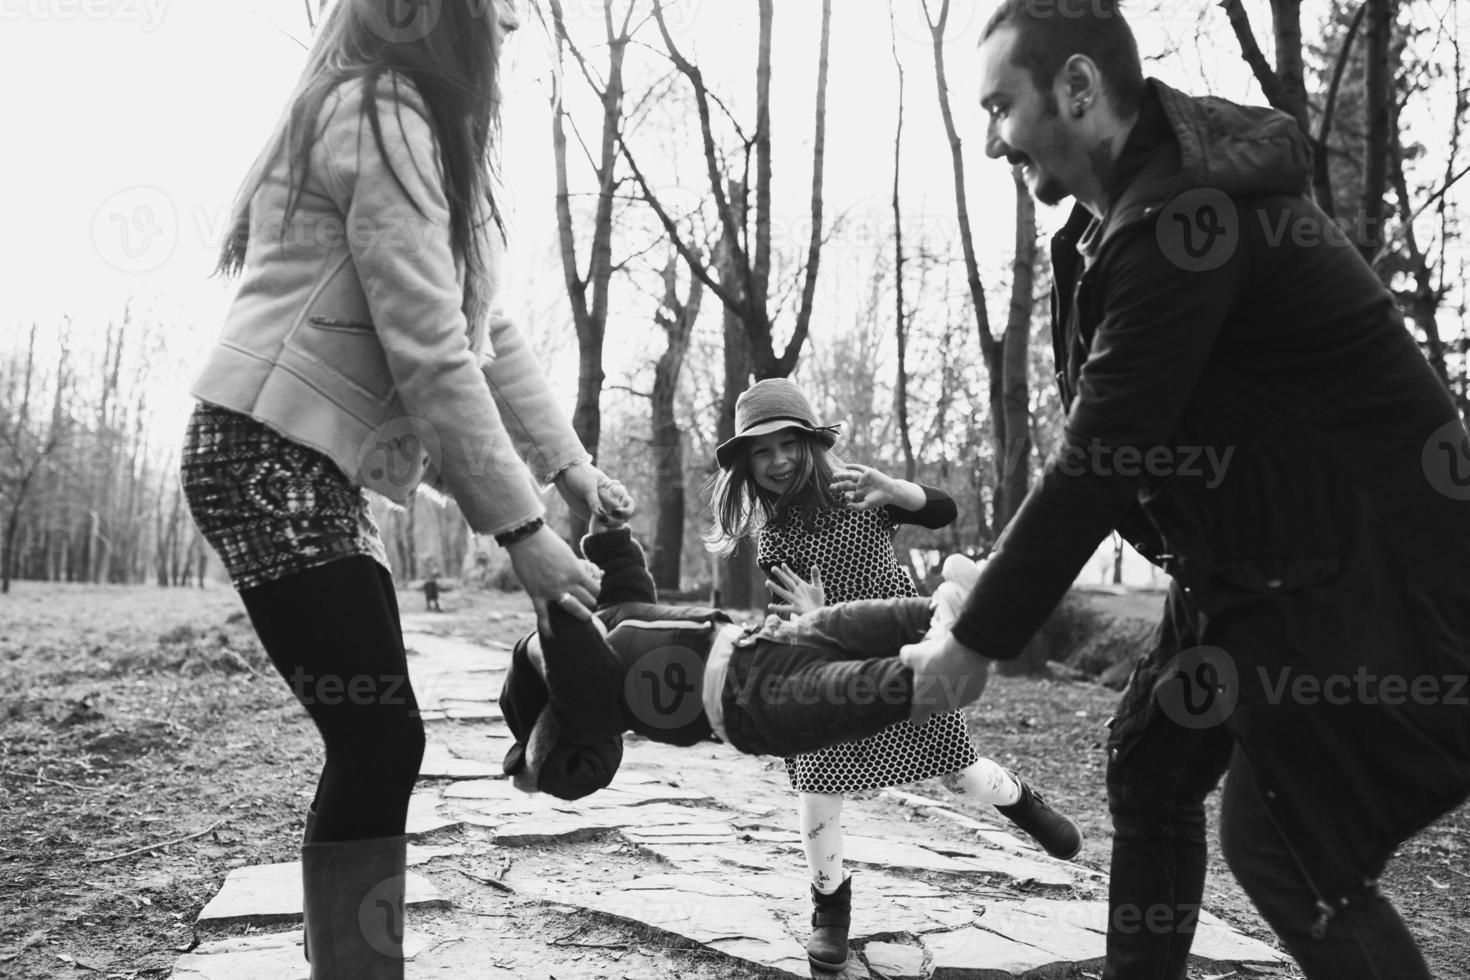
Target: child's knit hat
[(770, 406)]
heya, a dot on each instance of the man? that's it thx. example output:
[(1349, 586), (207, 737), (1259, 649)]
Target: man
[(1246, 407)]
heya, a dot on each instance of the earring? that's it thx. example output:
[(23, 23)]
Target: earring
[(1079, 107)]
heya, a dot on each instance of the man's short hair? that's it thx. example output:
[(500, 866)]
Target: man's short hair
[(1051, 31)]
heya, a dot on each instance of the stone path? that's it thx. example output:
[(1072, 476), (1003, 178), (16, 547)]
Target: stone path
[(691, 852)]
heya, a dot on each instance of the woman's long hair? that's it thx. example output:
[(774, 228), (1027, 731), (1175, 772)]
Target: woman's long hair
[(450, 51), (741, 507)]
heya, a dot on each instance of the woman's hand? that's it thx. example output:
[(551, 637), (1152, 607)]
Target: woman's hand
[(801, 596), (590, 492), (550, 572), (868, 489)]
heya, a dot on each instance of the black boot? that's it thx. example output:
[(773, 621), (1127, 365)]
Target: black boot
[(1057, 835), (307, 836), (831, 916), (353, 904)]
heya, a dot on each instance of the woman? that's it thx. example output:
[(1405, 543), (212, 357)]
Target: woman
[(364, 350)]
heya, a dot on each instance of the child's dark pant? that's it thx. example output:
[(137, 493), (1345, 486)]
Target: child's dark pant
[(828, 677)]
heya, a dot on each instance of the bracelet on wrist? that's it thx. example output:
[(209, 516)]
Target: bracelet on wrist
[(520, 532)]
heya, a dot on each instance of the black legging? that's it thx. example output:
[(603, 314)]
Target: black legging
[(333, 633)]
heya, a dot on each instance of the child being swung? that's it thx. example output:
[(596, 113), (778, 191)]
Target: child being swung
[(824, 533)]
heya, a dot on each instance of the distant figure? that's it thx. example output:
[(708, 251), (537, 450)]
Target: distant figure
[(431, 594)]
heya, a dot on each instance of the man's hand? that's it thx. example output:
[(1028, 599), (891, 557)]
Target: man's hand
[(947, 676)]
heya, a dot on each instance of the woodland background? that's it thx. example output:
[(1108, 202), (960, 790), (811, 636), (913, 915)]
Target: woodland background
[(697, 250)]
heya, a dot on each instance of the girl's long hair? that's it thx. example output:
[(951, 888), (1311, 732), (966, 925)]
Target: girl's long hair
[(741, 507), (454, 65)]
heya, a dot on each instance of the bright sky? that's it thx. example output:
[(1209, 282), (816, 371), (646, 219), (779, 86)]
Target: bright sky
[(130, 123)]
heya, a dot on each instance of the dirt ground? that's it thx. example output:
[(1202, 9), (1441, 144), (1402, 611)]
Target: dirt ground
[(148, 748)]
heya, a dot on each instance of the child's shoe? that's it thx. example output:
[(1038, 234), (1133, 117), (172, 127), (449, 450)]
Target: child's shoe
[(831, 918), (1057, 835)]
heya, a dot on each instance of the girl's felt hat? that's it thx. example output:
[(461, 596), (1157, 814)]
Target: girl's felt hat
[(770, 406)]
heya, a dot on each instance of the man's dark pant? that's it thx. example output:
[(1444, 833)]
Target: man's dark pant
[(828, 677), (1159, 773)]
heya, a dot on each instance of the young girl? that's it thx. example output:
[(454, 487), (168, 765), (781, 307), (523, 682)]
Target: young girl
[(824, 532)]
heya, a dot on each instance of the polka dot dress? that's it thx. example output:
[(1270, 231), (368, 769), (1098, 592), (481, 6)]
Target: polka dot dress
[(854, 549)]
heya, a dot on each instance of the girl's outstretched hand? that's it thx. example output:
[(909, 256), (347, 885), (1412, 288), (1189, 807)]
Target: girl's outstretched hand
[(866, 488), (801, 596)]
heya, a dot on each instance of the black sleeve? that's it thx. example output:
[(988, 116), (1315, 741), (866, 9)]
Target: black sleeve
[(939, 510), (1158, 329), (625, 575)]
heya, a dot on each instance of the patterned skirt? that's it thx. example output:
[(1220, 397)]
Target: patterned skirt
[(268, 505), (897, 755)]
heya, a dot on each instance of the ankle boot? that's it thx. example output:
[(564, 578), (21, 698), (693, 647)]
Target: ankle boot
[(831, 916), (1057, 835), (307, 836), (353, 908)]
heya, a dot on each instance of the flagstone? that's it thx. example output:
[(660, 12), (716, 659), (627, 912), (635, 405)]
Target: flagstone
[(719, 831), (1216, 941), (424, 816), (424, 853), (272, 892), (775, 956), (1058, 933), (975, 954), (271, 956), (895, 961), (440, 763), (731, 882), (694, 884)]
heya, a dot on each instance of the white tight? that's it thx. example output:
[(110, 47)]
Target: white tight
[(821, 817)]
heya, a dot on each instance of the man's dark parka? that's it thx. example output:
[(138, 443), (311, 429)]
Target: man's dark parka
[(1220, 316)]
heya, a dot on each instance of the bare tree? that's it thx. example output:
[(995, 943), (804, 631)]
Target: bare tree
[(1005, 359), (900, 315), (29, 443), (677, 318), (739, 270)]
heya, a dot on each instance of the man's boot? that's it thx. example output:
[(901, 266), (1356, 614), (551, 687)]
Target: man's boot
[(831, 917), (353, 908)]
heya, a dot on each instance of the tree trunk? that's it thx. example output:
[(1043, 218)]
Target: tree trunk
[(734, 575), (1009, 405), (1378, 95), (1015, 479), (900, 318), (677, 319), (588, 293)]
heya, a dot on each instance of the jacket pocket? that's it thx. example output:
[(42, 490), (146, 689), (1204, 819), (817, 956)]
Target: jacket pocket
[(1277, 575), (347, 350)]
